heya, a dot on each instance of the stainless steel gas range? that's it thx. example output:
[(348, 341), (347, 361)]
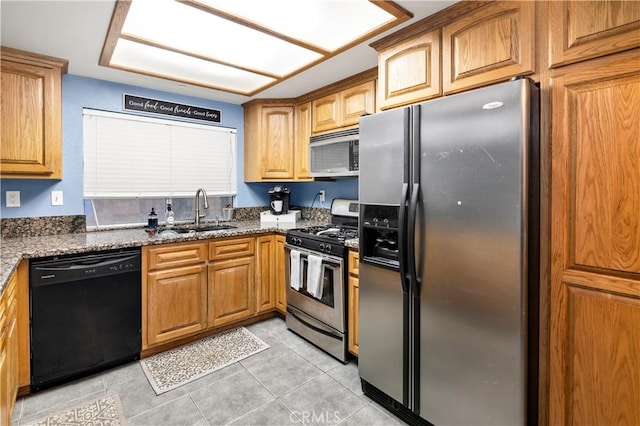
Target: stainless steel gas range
[(316, 275)]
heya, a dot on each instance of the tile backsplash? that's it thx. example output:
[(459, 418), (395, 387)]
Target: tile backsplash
[(55, 225)]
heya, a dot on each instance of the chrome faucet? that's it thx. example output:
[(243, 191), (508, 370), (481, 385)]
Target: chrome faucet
[(197, 204)]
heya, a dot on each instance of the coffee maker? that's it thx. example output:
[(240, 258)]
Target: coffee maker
[(279, 199)]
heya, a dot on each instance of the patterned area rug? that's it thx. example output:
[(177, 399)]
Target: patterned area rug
[(106, 411), (174, 368)]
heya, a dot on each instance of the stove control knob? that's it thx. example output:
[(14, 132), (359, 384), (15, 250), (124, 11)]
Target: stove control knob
[(298, 241), (322, 246)]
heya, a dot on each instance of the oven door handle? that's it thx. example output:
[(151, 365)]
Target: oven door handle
[(313, 327), (304, 254)]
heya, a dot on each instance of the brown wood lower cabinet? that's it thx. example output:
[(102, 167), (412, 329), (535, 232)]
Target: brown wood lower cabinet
[(265, 273), (195, 287), (231, 290), (176, 300), (354, 301), (280, 278), (8, 351)]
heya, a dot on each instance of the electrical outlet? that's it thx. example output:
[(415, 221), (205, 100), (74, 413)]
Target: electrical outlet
[(322, 195), (56, 198), (13, 198)]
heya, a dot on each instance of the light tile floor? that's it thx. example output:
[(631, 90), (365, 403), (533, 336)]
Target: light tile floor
[(292, 382)]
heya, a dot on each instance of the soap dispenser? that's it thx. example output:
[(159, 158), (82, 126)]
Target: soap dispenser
[(169, 216), (152, 221)]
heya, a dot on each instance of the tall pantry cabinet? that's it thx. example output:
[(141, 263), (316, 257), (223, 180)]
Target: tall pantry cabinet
[(594, 358)]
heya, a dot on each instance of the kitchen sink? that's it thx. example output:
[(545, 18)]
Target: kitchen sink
[(214, 228), (174, 232)]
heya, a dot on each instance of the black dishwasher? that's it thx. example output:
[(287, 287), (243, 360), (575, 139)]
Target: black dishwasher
[(85, 314)]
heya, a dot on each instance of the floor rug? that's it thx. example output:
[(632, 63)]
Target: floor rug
[(106, 411), (176, 367)]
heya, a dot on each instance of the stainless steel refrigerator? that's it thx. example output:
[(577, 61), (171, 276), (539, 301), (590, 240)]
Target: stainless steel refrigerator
[(448, 193)]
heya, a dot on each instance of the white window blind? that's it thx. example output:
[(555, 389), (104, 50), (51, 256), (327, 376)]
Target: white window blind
[(131, 156)]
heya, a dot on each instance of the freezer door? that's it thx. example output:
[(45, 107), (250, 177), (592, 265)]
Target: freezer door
[(383, 138), (381, 321), (473, 233)]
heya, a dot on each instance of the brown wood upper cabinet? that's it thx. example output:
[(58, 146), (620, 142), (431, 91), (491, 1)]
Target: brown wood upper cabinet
[(269, 140), (490, 44), (581, 30), (344, 108), (302, 132), (31, 115), (409, 71)]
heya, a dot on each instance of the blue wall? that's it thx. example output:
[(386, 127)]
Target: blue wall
[(81, 92)]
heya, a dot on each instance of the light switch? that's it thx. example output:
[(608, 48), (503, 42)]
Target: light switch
[(56, 198), (13, 198)]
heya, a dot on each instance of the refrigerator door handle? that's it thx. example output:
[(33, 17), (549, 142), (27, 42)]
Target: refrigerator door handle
[(402, 237), (411, 236)]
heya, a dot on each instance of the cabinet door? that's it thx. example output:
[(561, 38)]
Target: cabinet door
[(277, 142), (409, 71), (595, 249), (5, 406), (587, 29), (176, 303), (231, 291), (31, 118), (354, 301), (265, 273), (491, 44), (281, 284), (357, 101), (326, 113), (354, 298), (303, 133), (12, 354)]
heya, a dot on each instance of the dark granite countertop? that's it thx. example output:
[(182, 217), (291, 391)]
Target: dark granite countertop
[(13, 250), (353, 243)]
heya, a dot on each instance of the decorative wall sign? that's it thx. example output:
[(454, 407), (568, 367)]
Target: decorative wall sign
[(137, 103)]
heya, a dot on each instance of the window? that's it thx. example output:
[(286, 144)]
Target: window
[(127, 212), (131, 162), (131, 156)]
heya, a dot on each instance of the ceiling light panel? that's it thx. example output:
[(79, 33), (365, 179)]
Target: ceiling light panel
[(329, 24), (167, 64), (187, 29), (239, 46)]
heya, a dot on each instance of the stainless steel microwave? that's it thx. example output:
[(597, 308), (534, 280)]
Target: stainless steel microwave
[(334, 154)]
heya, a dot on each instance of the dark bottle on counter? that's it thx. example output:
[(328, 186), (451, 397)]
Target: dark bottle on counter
[(152, 222)]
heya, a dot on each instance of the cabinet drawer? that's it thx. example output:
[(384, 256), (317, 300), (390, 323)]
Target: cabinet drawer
[(232, 248), (172, 255), (354, 263)]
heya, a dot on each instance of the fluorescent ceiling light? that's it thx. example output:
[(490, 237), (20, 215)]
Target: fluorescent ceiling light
[(238, 46)]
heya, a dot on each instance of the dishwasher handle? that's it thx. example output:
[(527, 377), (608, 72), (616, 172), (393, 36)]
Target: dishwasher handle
[(75, 269)]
